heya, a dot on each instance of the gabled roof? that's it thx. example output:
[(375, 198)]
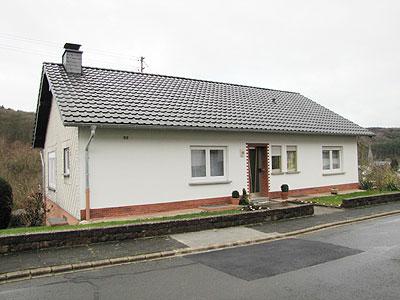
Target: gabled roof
[(120, 98)]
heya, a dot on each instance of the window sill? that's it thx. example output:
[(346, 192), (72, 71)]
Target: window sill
[(277, 173), (292, 172), (194, 183), (333, 173)]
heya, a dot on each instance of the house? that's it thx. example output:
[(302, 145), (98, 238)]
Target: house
[(118, 143)]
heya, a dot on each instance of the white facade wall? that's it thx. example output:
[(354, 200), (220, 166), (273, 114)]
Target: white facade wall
[(58, 137), (154, 166)]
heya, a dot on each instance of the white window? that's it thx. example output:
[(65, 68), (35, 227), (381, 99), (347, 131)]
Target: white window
[(208, 163), (276, 159), (52, 170), (66, 161), (331, 159), (291, 157)]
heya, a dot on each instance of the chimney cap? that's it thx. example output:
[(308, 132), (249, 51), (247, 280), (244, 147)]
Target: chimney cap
[(71, 46)]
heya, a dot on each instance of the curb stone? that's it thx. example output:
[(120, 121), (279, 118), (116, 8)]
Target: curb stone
[(60, 269), (39, 271), (18, 274), (46, 271)]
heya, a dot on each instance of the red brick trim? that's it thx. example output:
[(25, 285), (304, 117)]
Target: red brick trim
[(153, 208), (54, 210), (316, 190), (248, 168)]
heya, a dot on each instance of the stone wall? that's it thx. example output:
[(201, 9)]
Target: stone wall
[(370, 200), (15, 243)]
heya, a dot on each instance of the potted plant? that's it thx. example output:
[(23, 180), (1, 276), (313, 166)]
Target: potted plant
[(235, 198), (284, 191)]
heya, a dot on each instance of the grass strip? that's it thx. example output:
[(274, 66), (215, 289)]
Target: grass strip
[(23, 230)]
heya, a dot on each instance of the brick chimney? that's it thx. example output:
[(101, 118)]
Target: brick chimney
[(72, 58)]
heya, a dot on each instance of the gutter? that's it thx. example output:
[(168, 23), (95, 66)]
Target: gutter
[(43, 183), (87, 185), (217, 129)]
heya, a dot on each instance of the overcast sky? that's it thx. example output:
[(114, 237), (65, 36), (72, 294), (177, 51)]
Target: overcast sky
[(343, 54)]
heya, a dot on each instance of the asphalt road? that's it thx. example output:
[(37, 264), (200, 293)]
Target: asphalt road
[(358, 261)]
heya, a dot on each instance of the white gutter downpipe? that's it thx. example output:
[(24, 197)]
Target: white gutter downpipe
[(87, 189), (43, 183)]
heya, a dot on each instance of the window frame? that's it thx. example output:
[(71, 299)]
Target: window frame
[(66, 162), (52, 170), (332, 170), (280, 170), (296, 169), (208, 177)]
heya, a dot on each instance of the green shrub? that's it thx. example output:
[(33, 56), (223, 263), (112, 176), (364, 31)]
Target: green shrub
[(284, 188), (244, 200), (6, 203), (366, 185), (379, 177), (235, 194)]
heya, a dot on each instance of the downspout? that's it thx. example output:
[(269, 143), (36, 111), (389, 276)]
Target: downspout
[(87, 189), (43, 184)]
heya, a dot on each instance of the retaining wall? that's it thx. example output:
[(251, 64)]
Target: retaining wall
[(31, 241), (370, 200)]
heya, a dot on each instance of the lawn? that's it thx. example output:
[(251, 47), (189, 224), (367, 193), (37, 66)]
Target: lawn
[(336, 200), (22, 230)]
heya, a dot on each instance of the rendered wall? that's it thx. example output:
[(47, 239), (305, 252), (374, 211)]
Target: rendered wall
[(155, 166)]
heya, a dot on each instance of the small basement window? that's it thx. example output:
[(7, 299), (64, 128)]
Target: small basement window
[(51, 178), (66, 162), (208, 163)]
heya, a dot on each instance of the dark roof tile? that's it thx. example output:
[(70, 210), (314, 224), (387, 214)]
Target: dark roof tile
[(112, 97)]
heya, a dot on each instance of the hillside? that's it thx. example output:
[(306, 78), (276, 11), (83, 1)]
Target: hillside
[(16, 125), (385, 145), (19, 163)]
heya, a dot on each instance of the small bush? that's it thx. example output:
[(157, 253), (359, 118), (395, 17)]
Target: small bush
[(235, 194), (244, 200), (6, 203), (34, 210), (366, 185), (284, 188), (379, 177)]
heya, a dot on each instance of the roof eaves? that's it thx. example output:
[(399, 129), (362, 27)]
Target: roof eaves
[(218, 129)]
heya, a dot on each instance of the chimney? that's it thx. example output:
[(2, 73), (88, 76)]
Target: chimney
[(72, 58)]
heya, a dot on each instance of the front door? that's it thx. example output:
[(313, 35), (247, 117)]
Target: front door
[(258, 176)]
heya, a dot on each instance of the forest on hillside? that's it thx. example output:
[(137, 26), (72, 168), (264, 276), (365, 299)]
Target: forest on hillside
[(19, 164), (385, 144)]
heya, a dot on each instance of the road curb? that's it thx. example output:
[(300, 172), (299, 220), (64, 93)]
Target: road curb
[(46, 271)]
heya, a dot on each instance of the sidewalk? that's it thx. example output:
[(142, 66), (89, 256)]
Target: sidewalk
[(179, 242)]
